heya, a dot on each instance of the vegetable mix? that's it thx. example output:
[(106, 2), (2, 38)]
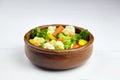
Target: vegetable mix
[(59, 37)]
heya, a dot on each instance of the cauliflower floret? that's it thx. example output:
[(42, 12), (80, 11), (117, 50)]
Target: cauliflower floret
[(69, 30), (51, 29), (39, 40), (59, 45), (53, 42), (49, 46)]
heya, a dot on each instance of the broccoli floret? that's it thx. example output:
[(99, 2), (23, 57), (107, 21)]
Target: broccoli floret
[(43, 33), (84, 34), (67, 41), (68, 46), (60, 35), (34, 32), (39, 33), (37, 29), (76, 38), (42, 45)]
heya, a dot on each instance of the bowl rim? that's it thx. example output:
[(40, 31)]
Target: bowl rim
[(50, 51)]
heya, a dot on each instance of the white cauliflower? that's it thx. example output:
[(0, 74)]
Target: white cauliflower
[(51, 29), (59, 45), (39, 39), (48, 45), (69, 30), (53, 42)]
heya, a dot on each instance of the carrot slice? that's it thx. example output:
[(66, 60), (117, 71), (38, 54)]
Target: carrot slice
[(58, 30), (59, 39), (75, 46), (36, 44), (71, 35)]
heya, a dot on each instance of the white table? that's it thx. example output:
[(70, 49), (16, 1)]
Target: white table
[(101, 17)]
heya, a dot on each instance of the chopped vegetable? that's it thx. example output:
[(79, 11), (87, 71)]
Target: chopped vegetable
[(34, 32), (58, 30), (76, 38), (51, 29), (42, 45), (69, 30), (75, 46), (59, 45), (67, 42), (85, 34), (82, 42), (60, 35), (37, 41), (31, 41), (72, 35), (51, 36), (53, 42), (49, 46), (37, 44), (43, 33), (59, 38)]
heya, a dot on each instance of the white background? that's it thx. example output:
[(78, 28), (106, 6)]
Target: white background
[(100, 17)]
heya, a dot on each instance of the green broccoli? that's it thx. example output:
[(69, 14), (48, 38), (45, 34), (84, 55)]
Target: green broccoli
[(84, 34), (60, 35), (67, 46), (42, 33), (42, 45), (76, 38), (34, 32), (67, 41), (39, 33)]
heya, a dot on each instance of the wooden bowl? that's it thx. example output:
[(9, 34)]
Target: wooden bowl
[(58, 59)]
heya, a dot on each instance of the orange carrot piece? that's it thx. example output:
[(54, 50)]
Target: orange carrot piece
[(36, 44), (76, 46), (71, 35), (59, 39), (58, 30)]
